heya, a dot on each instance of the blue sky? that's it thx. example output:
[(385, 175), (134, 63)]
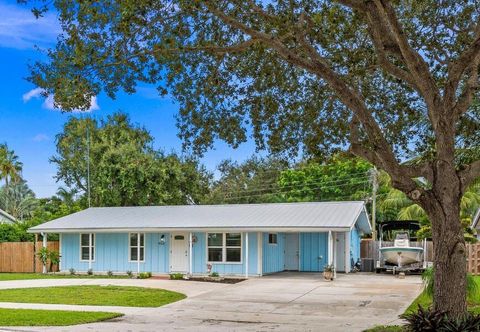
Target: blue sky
[(28, 122)]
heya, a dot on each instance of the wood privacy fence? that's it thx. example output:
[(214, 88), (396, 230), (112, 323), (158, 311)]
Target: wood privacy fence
[(369, 249), (21, 256)]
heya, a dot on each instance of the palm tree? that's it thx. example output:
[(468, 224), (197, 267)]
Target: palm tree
[(10, 166), (18, 200), (67, 196)]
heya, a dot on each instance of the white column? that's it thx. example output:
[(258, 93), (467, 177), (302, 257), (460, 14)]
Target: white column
[(334, 250), (60, 267), (190, 258), (330, 251), (44, 245), (138, 252), (347, 252), (90, 250), (259, 253), (246, 255)]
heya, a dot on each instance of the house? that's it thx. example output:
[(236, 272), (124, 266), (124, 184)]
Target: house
[(475, 221), (238, 240), (6, 218)]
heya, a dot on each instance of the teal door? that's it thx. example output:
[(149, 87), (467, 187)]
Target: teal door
[(313, 251)]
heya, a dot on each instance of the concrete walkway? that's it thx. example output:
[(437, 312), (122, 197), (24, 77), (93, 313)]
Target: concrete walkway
[(281, 302)]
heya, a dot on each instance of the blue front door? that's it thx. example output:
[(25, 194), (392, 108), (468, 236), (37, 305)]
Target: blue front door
[(313, 251)]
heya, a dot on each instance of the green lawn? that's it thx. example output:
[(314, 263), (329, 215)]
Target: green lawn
[(28, 276), (29, 317), (425, 301), (92, 295)]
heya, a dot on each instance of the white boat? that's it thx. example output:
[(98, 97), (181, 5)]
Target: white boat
[(402, 254)]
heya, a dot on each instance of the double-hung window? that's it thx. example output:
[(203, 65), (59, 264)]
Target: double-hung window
[(137, 247), (224, 247), (87, 247)]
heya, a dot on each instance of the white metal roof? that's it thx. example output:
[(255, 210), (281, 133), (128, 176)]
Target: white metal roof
[(4, 216), (280, 216)]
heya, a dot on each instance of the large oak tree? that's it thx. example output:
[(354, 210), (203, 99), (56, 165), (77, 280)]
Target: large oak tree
[(389, 80)]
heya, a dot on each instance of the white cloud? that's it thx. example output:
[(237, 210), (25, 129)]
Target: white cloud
[(34, 93), (41, 138), (49, 103), (19, 29)]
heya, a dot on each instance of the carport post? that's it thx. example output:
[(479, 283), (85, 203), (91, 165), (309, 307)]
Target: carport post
[(44, 245), (334, 246), (246, 254), (190, 261), (90, 236), (330, 251)]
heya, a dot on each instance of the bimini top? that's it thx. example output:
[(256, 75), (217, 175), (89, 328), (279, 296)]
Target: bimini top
[(315, 216)]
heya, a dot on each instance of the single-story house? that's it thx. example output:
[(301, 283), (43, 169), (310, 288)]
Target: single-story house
[(475, 221), (6, 218), (238, 239)]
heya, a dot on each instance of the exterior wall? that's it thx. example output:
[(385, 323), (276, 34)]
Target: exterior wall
[(355, 244), (111, 253), (273, 259), (199, 257), (313, 251)]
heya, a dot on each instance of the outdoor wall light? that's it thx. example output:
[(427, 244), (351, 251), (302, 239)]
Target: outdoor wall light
[(162, 240), (194, 239)]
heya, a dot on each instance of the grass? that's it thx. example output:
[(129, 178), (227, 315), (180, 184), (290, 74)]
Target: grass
[(425, 301), (29, 276), (31, 317), (92, 295)]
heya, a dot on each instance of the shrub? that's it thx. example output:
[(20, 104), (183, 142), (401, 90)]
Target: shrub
[(149, 274), (72, 271), (130, 273), (428, 277), (90, 272), (144, 275), (176, 276), (110, 273), (433, 320), (54, 257), (214, 274)]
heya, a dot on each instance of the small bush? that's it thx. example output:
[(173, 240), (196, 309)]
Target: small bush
[(432, 320), (110, 273), (214, 274), (130, 273), (90, 272), (144, 275), (176, 276), (72, 271)]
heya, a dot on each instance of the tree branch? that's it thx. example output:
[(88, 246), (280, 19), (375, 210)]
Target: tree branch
[(471, 86), (469, 174)]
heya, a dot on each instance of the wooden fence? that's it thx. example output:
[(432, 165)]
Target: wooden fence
[(21, 256), (369, 249)]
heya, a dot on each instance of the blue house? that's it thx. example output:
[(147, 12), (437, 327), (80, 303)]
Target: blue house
[(236, 240)]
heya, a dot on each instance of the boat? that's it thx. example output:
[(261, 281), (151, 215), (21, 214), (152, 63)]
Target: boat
[(401, 253)]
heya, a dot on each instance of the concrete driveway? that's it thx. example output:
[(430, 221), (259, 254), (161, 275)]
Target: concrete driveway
[(281, 302)]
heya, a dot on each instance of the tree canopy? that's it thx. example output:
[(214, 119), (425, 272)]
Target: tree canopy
[(387, 79), (125, 169)]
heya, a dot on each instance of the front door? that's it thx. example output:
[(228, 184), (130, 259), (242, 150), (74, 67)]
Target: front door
[(340, 251), (291, 252), (179, 252)]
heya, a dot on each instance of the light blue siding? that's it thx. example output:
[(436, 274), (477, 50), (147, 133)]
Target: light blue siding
[(355, 244), (111, 253), (312, 247), (199, 257), (273, 254)]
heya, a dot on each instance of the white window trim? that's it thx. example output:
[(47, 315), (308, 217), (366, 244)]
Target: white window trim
[(138, 242), (224, 248), (268, 239), (90, 236)]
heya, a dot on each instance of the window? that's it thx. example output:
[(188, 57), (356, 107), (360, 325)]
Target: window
[(137, 247), (272, 238), (224, 247), (87, 247)]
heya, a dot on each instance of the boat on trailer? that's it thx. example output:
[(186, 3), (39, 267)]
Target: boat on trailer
[(401, 253)]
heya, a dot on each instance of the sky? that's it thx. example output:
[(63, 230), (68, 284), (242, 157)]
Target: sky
[(29, 122)]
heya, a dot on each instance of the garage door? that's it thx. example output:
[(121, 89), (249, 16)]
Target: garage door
[(313, 251)]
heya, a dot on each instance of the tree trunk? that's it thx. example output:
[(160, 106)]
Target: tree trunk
[(443, 209)]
